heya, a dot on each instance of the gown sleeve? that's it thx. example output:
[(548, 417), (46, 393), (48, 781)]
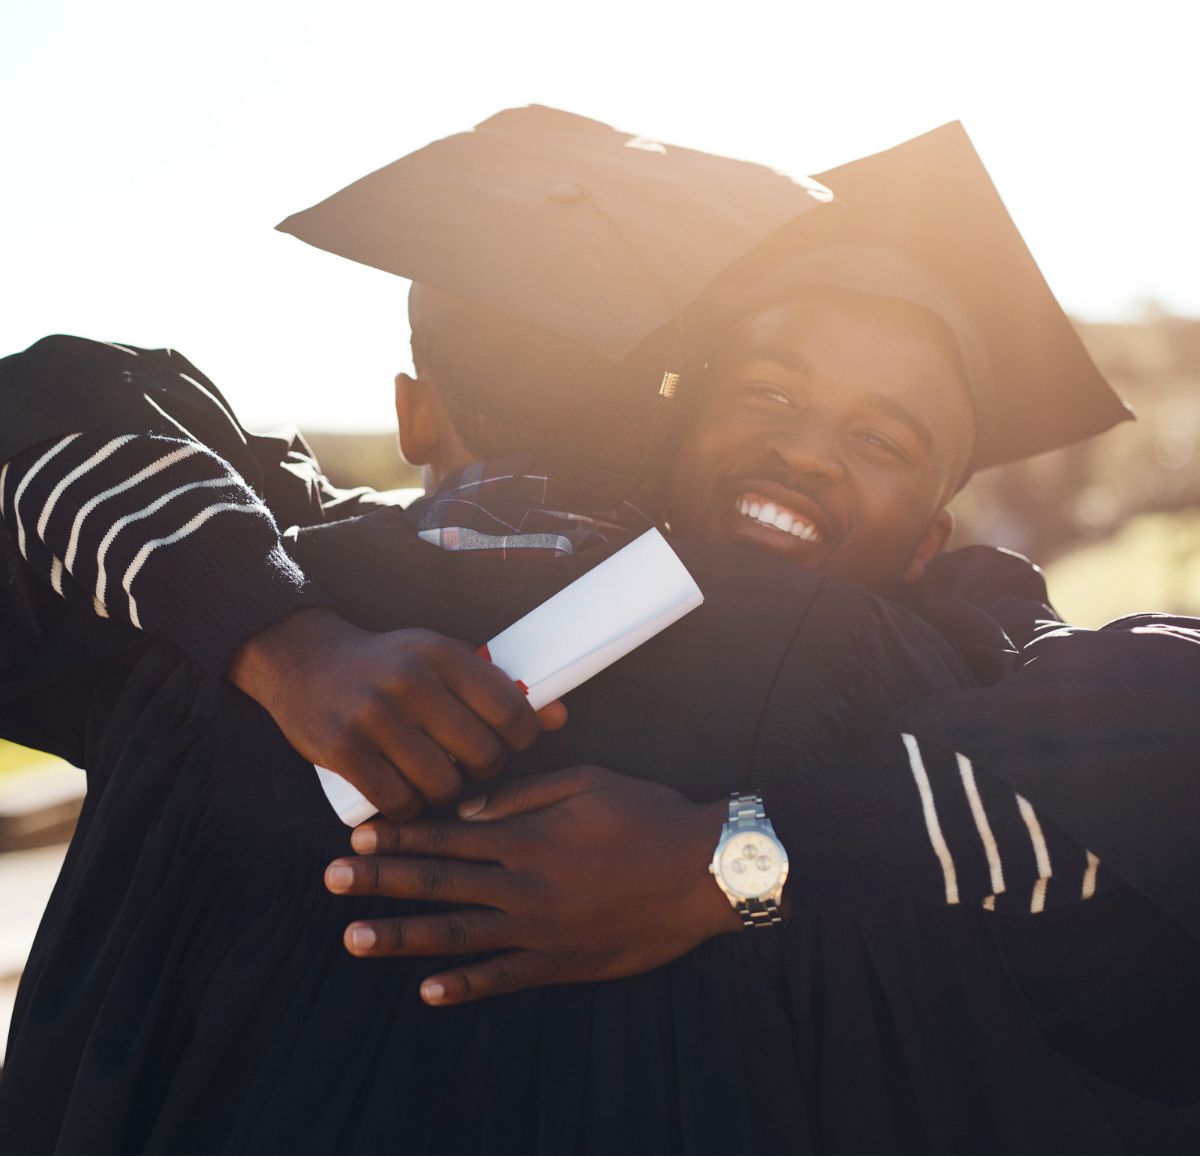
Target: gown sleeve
[(1099, 730), (129, 488), (906, 811), (155, 533), (1070, 768)]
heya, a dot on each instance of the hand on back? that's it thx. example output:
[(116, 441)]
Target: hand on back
[(403, 715), (577, 875)]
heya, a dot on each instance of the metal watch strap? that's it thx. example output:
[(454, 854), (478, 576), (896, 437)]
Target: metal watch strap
[(747, 812), (758, 912)]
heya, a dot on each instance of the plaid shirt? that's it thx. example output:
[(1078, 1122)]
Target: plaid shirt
[(510, 504)]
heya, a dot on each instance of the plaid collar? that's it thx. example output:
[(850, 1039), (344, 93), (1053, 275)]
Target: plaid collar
[(512, 504)]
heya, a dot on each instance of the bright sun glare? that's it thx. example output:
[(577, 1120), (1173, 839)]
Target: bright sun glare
[(158, 144)]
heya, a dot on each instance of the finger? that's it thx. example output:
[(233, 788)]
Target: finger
[(476, 747), (380, 781), (417, 758), (454, 933), (497, 976), (447, 880), (492, 695), (443, 838), (524, 795), (552, 717)]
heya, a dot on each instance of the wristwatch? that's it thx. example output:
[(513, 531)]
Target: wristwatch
[(750, 864)]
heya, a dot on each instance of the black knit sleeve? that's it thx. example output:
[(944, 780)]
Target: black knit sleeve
[(63, 385), (155, 532), (132, 490)]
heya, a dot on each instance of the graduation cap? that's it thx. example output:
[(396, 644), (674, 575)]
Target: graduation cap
[(929, 205), (570, 228)]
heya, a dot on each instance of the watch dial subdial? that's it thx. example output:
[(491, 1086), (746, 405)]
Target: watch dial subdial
[(750, 865)]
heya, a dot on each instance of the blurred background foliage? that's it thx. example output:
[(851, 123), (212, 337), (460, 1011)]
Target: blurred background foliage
[(1115, 522)]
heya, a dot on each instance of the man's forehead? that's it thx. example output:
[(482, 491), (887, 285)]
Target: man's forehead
[(811, 299), (775, 330)]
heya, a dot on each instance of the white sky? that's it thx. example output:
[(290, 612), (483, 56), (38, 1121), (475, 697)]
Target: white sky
[(149, 148)]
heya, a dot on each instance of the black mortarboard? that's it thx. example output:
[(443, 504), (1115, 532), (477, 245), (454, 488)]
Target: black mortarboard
[(569, 226), (930, 203)]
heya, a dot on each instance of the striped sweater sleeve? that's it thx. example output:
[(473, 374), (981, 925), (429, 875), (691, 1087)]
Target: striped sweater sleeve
[(911, 818), (156, 532)]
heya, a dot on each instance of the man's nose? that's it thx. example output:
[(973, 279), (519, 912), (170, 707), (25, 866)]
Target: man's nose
[(809, 448)]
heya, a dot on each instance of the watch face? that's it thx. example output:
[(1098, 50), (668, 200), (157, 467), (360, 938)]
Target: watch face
[(750, 865)]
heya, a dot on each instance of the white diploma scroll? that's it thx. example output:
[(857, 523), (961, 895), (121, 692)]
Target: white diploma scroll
[(600, 617)]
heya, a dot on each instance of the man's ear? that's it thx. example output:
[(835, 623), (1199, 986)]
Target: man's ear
[(932, 543), (417, 420)]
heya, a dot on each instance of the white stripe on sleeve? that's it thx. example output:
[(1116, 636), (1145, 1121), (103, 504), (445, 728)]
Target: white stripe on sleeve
[(30, 474), (1089, 877), (1041, 854), (932, 826), (982, 825), (186, 529), (105, 451), (142, 474), (121, 523)]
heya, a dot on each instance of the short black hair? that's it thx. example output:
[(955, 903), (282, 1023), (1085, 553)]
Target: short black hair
[(511, 387), (484, 430)]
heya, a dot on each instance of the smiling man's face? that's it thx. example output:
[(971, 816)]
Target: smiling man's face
[(833, 430)]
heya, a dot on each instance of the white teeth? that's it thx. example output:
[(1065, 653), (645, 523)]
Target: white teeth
[(769, 514)]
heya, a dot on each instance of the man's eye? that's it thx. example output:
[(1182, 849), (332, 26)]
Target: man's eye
[(764, 391), (883, 443)]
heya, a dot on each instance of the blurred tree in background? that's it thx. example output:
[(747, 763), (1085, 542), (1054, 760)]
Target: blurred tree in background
[(1115, 521), (363, 459)]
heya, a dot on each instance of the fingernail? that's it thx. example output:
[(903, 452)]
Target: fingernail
[(362, 938), (364, 840), (469, 807), (432, 992), (339, 877)]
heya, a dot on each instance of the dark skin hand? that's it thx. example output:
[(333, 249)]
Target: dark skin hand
[(393, 713), (578, 875)]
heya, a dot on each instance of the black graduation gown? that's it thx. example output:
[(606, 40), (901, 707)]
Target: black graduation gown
[(188, 990)]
